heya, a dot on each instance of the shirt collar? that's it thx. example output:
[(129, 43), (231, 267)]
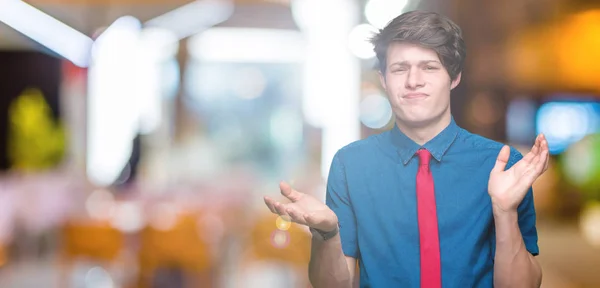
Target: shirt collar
[(437, 146)]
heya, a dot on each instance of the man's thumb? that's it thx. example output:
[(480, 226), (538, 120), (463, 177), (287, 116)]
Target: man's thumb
[(502, 159), (288, 192)]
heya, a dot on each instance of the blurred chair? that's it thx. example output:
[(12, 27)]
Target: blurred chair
[(177, 248), (95, 241)]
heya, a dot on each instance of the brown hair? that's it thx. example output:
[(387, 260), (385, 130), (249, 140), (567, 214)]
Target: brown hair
[(427, 29)]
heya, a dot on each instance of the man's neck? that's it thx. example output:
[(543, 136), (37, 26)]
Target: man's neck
[(421, 134)]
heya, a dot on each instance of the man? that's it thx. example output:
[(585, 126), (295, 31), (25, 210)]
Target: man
[(427, 204)]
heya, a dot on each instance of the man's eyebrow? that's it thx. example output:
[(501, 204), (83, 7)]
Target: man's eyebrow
[(402, 63)]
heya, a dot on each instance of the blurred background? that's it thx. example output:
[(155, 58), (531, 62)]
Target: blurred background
[(138, 137)]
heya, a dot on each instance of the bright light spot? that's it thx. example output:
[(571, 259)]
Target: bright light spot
[(590, 224), (113, 116), (158, 44), (156, 48), (329, 99), (125, 92), (375, 111), (128, 217), (100, 205), (283, 223), (280, 239), (98, 278), (250, 83), (46, 30), (358, 41), (121, 34), (247, 45), (314, 15), (380, 12), (566, 123), (194, 17)]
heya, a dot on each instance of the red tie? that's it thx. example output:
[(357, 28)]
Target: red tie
[(429, 240)]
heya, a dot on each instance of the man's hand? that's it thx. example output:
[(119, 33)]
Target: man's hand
[(508, 188), (303, 209)]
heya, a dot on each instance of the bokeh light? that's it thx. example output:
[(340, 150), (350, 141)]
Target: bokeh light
[(564, 123), (375, 111), (283, 223), (280, 239), (380, 12), (582, 163), (100, 205), (359, 41), (590, 223)]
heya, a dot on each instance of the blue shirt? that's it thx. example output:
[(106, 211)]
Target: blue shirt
[(371, 188)]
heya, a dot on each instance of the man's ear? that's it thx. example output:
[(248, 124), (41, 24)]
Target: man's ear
[(456, 81)]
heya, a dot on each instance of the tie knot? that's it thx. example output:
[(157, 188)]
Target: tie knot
[(424, 157)]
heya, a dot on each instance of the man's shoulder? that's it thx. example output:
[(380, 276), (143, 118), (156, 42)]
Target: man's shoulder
[(480, 144), (362, 149)]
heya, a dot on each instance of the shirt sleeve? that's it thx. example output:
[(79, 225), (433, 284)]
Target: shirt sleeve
[(338, 200), (527, 215)]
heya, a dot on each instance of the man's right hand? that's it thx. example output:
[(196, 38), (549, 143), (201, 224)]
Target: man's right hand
[(303, 209)]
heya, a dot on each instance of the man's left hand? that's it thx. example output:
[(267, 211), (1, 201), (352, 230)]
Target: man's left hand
[(507, 188)]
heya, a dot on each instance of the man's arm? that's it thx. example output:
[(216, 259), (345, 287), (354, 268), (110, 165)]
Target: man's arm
[(329, 267), (514, 215), (514, 266)]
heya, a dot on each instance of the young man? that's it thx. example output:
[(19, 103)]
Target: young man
[(427, 204)]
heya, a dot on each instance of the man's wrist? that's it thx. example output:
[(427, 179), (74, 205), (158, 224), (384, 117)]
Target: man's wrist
[(498, 210), (504, 218), (324, 235)]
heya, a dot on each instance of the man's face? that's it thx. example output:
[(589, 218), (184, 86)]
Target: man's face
[(417, 84)]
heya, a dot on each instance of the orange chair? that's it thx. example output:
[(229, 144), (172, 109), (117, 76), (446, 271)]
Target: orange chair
[(93, 240), (181, 247), (96, 240)]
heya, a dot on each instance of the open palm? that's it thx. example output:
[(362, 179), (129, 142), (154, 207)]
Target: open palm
[(303, 209), (507, 188)]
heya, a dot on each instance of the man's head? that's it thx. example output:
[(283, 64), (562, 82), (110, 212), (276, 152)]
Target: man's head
[(421, 56)]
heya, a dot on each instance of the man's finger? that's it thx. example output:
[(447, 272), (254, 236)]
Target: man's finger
[(271, 204), (529, 156), (525, 182), (311, 219), (546, 148), (296, 215), (288, 192), (317, 220), (280, 208), (502, 159), (542, 162)]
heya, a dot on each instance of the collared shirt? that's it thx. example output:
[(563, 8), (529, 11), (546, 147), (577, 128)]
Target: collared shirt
[(371, 188)]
